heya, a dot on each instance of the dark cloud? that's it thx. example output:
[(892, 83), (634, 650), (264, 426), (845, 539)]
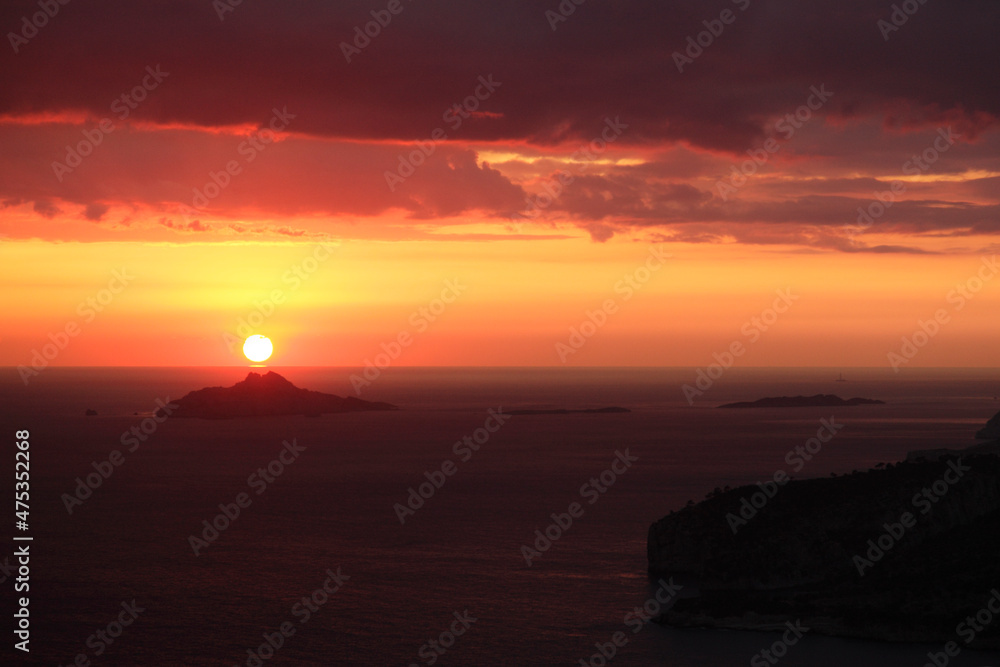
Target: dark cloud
[(606, 59), (46, 208), (95, 211)]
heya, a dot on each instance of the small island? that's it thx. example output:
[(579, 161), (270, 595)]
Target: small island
[(817, 401), (563, 411), (266, 395)]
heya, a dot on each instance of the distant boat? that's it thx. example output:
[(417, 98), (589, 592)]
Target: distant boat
[(841, 378)]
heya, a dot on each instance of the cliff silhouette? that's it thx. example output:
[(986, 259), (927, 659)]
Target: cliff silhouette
[(992, 429), (836, 554)]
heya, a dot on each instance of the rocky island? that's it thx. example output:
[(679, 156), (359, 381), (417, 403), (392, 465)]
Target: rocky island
[(904, 552), (264, 396), (819, 400)]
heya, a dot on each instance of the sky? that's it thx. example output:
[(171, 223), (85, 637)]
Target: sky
[(520, 183)]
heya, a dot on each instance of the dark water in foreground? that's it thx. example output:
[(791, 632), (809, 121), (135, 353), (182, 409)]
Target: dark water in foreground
[(461, 551)]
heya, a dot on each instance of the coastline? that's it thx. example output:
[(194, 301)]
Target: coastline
[(904, 553)]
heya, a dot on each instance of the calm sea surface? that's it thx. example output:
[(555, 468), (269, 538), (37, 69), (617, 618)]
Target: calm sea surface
[(333, 507)]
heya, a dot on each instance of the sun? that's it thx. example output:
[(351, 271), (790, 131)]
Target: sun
[(258, 348)]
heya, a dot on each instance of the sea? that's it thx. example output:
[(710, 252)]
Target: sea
[(409, 537)]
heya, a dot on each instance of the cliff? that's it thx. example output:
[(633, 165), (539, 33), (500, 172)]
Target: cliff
[(992, 429), (837, 554)]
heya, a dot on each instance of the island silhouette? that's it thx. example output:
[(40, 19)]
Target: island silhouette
[(819, 400), (266, 396), (564, 411)]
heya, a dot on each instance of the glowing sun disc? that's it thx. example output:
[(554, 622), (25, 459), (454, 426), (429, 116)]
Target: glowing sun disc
[(258, 348)]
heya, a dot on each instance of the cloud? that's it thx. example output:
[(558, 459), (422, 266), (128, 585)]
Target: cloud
[(46, 208), (193, 226), (294, 176), (357, 125), (95, 211), (555, 86), (890, 249)]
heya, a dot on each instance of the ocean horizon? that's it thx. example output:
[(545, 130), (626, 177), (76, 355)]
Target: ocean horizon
[(405, 577)]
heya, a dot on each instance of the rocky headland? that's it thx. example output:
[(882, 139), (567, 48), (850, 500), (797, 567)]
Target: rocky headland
[(904, 552), (992, 429)]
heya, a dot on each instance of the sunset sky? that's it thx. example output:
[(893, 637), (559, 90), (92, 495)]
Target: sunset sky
[(186, 164)]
